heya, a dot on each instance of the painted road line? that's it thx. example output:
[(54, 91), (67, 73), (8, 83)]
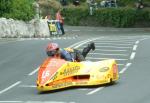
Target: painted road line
[(113, 47), (113, 50), (35, 102), (87, 42), (28, 86), (101, 30), (77, 44), (137, 42), (143, 39), (34, 71), (84, 89), (46, 102), (116, 40), (13, 85), (125, 68), (132, 55), (120, 64), (90, 30), (6, 42), (76, 30), (11, 101), (134, 47), (95, 90), (109, 54), (106, 58), (115, 44)]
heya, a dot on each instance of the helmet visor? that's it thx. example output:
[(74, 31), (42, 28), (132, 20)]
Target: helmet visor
[(51, 53)]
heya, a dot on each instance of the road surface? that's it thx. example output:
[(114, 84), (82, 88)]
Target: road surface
[(20, 59)]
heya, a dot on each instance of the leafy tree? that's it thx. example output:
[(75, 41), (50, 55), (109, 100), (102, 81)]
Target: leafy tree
[(17, 9), (5, 6)]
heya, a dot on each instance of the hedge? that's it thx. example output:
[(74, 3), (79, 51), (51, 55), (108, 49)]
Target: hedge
[(17, 9), (112, 17)]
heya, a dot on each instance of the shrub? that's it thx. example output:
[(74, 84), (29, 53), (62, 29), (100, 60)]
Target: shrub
[(19, 9), (114, 17)]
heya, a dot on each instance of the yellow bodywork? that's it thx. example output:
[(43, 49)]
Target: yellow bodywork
[(84, 73)]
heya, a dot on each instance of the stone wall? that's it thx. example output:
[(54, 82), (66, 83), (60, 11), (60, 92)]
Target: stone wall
[(15, 28)]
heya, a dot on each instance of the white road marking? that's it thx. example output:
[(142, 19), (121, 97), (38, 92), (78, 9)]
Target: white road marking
[(13, 85), (95, 90), (109, 54), (11, 101), (71, 46), (35, 102), (143, 39), (137, 42), (86, 42), (46, 102), (83, 89), (75, 30), (134, 47), (120, 64), (113, 47), (114, 43), (110, 50), (106, 58), (34, 71), (6, 42), (28, 86), (125, 68), (132, 55), (101, 30)]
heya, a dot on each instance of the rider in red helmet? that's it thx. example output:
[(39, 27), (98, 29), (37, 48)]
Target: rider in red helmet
[(68, 54)]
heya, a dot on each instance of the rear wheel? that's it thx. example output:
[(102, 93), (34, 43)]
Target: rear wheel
[(111, 81)]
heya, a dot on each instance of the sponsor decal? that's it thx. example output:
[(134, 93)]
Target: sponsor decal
[(45, 74), (69, 71), (55, 76), (62, 84), (82, 82)]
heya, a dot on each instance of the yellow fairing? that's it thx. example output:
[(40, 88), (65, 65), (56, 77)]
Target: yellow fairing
[(84, 73)]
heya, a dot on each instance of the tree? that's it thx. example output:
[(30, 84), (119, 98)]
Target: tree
[(5, 7), (17, 9)]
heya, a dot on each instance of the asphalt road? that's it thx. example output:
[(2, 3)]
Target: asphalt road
[(20, 58)]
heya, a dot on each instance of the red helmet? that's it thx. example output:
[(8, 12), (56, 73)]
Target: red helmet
[(52, 48)]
